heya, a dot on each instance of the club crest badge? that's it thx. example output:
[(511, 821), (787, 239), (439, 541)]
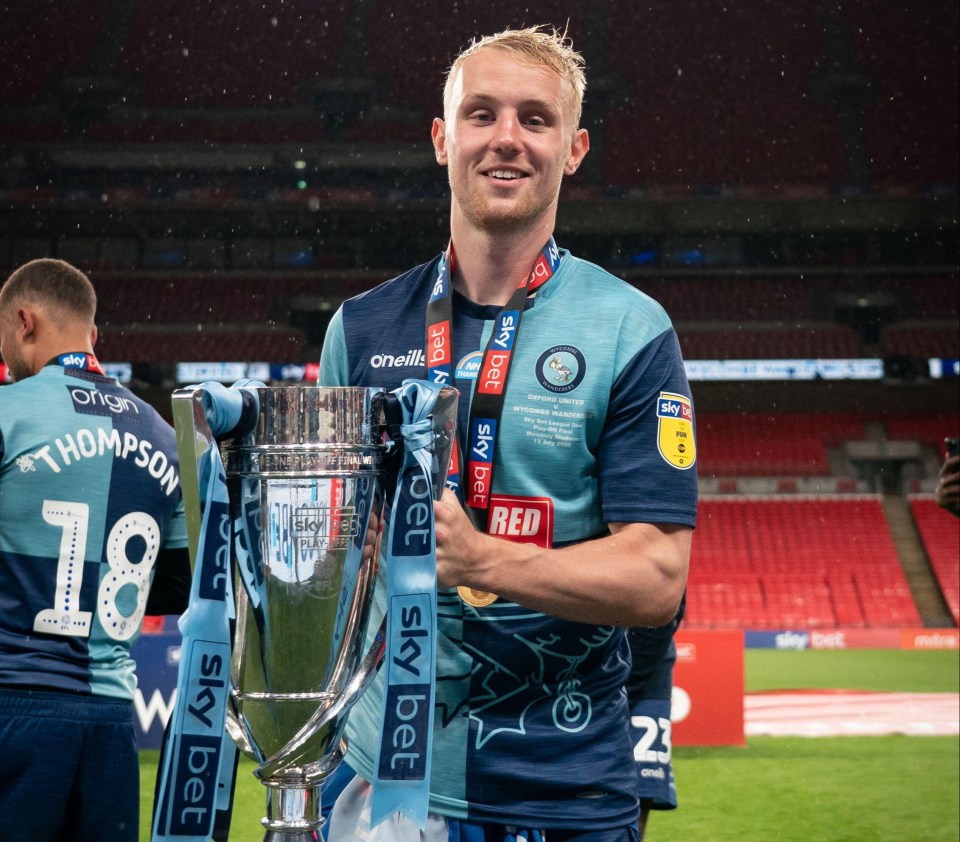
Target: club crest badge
[(675, 439), (561, 368)]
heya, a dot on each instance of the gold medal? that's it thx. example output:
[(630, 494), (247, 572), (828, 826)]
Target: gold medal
[(478, 599)]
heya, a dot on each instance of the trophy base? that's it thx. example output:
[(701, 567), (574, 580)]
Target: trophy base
[(293, 836), (293, 813)]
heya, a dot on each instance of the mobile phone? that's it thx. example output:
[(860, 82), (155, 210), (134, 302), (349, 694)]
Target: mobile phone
[(953, 445)]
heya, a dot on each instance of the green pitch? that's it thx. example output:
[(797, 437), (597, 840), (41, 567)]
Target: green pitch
[(780, 789)]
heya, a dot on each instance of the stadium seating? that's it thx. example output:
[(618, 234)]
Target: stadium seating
[(743, 341), (692, 113), (796, 562), (203, 343), (234, 54), (775, 444), (941, 539), (693, 299), (930, 429), (903, 103), (35, 54), (169, 298), (917, 339)]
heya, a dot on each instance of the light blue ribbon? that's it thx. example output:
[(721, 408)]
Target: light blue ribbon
[(190, 786), (402, 769), (199, 762)]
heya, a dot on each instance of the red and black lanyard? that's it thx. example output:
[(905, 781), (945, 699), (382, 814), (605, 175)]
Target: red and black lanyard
[(486, 408)]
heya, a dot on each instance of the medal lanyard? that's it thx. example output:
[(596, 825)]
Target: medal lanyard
[(486, 408)]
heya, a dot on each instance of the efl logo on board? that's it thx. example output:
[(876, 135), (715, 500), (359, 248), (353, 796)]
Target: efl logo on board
[(524, 520)]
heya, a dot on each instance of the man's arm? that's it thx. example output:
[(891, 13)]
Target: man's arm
[(948, 485), (633, 577), (170, 591)]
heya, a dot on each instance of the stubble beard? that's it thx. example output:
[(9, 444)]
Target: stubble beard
[(491, 216), (17, 366)]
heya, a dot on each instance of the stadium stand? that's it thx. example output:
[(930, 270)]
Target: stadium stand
[(693, 112), (784, 184), (910, 90), (929, 429), (941, 539), (234, 54), (796, 562), (775, 444), (921, 339), (745, 341), (202, 343)]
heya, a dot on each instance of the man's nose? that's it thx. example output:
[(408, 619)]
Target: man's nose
[(507, 133)]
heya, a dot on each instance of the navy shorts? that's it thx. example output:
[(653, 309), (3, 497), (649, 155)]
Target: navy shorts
[(651, 731), (70, 768)]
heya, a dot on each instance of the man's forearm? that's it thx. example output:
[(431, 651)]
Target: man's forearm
[(633, 577)]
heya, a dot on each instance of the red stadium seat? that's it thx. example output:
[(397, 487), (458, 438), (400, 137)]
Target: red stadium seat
[(785, 444), (940, 534), (816, 563)]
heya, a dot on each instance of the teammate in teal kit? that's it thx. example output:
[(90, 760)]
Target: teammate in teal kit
[(92, 537), (575, 480)]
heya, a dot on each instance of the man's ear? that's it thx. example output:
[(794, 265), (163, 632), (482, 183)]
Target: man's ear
[(93, 336), (579, 147), (26, 323), (439, 134)]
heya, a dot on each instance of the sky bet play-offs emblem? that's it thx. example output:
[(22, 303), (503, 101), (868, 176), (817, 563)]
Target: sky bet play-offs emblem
[(675, 439), (561, 369)]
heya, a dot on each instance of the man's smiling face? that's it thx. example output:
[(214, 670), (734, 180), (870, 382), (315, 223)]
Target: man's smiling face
[(507, 140)]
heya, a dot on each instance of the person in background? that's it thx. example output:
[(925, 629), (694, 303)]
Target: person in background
[(948, 482), (576, 489), (92, 538)]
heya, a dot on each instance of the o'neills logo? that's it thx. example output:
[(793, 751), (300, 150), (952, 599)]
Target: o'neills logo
[(414, 357)]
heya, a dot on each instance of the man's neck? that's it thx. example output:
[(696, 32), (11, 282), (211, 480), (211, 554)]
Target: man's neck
[(490, 266)]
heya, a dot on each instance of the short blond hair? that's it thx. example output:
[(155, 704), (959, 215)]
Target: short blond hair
[(538, 45)]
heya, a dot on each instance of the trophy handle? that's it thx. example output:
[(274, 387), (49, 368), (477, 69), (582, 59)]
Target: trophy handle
[(292, 753), (194, 439)]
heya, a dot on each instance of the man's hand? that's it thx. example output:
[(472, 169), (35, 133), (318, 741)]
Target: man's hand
[(948, 487), (458, 543), (631, 577)]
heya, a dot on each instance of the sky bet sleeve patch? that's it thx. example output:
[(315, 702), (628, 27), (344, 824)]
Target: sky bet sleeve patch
[(675, 439)]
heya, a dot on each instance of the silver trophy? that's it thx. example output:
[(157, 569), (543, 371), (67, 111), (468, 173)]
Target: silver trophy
[(307, 486)]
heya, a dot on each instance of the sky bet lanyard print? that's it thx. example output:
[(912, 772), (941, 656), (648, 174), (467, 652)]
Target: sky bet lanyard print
[(486, 408)]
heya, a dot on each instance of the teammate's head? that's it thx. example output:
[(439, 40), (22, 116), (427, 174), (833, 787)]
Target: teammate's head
[(47, 307), (536, 45)]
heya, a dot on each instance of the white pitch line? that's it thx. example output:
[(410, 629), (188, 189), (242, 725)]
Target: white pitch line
[(852, 714)]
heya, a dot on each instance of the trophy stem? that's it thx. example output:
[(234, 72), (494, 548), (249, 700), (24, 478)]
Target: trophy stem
[(293, 813)]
